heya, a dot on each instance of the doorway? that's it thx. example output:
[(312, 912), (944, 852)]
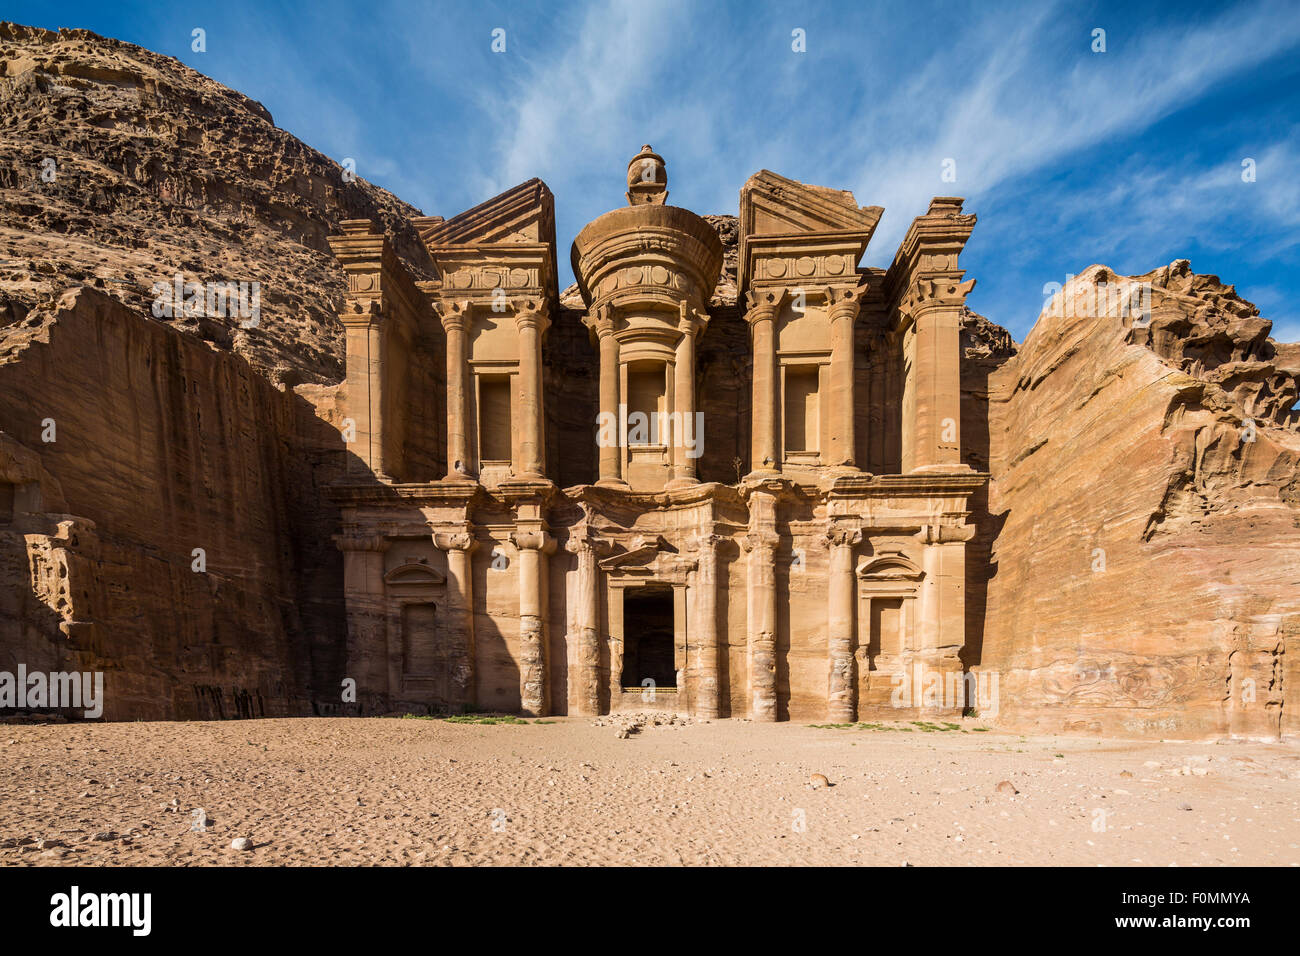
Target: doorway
[(648, 652)]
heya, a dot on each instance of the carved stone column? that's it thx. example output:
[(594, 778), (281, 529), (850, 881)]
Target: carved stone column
[(925, 283), (761, 544), (534, 679), (761, 317), (586, 620), (843, 307), (531, 321), (877, 409), (610, 454), (705, 625), (455, 323), (935, 307), (367, 641), (683, 469), (364, 335), (382, 308), (842, 590), (460, 546)]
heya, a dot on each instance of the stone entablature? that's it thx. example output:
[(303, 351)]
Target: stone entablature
[(797, 591)]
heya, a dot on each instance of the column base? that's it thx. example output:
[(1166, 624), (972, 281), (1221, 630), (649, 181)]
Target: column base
[(762, 474), (677, 484), (617, 484)]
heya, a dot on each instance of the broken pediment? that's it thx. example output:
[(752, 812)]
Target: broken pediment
[(795, 234), (772, 205), (524, 214), (644, 551), (502, 247)]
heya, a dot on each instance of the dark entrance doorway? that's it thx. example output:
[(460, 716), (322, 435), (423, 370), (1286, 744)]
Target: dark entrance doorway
[(648, 637)]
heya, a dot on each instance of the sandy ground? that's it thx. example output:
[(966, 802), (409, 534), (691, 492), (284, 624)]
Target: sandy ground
[(394, 791)]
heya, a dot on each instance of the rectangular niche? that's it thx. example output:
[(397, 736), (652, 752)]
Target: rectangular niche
[(419, 640), (495, 427), (647, 394), (802, 421)]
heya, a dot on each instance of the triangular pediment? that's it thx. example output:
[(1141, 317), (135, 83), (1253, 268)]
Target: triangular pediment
[(524, 214), (772, 205)]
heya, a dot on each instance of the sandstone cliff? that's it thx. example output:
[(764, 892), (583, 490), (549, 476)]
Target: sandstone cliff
[(163, 521), (1145, 516), (169, 434), (158, 170)]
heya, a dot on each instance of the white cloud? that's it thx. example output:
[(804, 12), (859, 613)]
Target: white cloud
[(1015, 115)]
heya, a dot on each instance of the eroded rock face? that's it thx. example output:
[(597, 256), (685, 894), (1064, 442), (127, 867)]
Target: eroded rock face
[(127, 446), (157, 170), (1144, 572)]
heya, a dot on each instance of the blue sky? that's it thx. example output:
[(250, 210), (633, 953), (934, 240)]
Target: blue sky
[(1131, 157)]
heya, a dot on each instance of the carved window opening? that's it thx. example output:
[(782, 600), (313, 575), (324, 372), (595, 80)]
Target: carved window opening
[(648, 652), (802, 422), (647, 402), (494, 419)]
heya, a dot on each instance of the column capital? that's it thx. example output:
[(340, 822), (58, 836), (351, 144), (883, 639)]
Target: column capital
[(603, 320), (363, 314), (841, 536), (533, 540), (582, 541), (760, 541), (455, 539), (706, 541), (454, 314), (361, 542), (940, 533), (691, 320), (532, 314), (844, 301), (761, 304), (935, 292)]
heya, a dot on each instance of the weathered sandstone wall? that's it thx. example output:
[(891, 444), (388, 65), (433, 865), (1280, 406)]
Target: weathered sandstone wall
[(163, 445), (1145, 572)]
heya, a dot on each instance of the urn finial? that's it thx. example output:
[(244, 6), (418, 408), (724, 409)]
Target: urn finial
[(647, 178)]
